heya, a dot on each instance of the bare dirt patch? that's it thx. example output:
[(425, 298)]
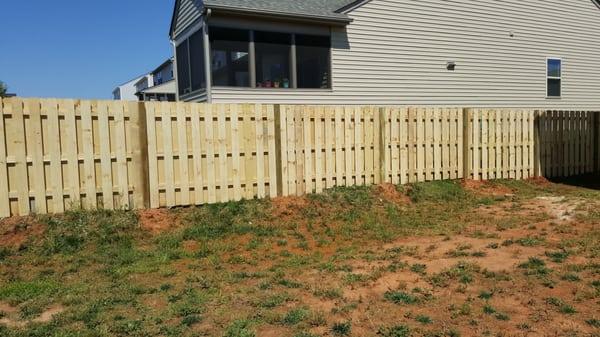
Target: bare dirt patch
[(486, 188), (15, 231), (157, 221), (390, 193), (11, 317), (285, 208)]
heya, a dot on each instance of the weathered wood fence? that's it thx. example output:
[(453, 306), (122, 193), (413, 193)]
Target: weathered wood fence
[(58, 154)]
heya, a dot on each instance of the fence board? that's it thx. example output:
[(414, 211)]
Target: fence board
[(50, 107), (5, 108), (36, 141)]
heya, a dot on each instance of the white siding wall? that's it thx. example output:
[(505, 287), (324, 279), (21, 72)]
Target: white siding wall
[(395, 52)]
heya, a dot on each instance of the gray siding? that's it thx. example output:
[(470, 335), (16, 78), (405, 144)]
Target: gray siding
[(189, 11), (395, 52)]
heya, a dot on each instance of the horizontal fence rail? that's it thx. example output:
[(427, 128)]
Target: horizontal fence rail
[(62, 154)]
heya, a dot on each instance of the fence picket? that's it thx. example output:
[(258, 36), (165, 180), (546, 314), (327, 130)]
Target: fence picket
[(36, 140)]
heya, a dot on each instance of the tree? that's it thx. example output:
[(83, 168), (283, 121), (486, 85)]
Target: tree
[(3, 89)]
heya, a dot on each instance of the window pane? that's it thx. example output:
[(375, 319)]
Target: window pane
[(554, 68), (197, 61), (183, 68), (554, 89), (229, 57), (312, 54), (273, 59)]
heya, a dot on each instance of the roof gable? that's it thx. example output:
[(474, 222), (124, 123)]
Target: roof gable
[(185, 12)]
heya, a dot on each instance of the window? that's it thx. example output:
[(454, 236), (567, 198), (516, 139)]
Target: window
[(554, 78), (230, 57), (313, 61), (183, 68), (196, 45), (273, 59)]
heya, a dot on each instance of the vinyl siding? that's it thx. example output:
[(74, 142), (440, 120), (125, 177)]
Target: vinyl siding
[(395, 52), (199, 96), (189, 11)]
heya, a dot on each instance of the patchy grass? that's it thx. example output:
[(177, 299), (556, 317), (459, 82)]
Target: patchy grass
[(415, 260)]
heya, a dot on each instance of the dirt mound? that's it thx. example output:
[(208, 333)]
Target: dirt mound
[(15, 231), (539, 181), (486, 188), (288, 207), (389, 192), (157, 221)]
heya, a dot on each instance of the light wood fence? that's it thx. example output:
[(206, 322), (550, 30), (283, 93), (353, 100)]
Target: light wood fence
[(200, 153), (59, 154)]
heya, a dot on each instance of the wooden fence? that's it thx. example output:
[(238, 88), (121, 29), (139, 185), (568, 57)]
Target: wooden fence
[(58, 154)]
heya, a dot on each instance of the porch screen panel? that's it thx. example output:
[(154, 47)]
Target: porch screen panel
[(230, 57), (313, 61), (183, 68), (273, 59), (197, 65)]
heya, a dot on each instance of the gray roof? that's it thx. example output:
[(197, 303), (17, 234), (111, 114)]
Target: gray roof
[(310, 8)]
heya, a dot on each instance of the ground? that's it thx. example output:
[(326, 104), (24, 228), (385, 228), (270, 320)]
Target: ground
[(501, 258)]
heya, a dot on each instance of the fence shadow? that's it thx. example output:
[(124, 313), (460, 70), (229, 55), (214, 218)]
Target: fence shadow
[(589, 181)]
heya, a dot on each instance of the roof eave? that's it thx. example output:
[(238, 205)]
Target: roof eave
[(322, 19)]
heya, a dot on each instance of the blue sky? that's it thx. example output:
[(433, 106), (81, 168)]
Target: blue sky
[(80, 48)]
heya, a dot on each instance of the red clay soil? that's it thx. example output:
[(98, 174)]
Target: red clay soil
[(539, 181), (15, 231), (389, 192), (157, 221), (486, 188), (287, 207)]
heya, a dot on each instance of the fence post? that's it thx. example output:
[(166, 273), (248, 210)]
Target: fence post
[(596, 145), (382, 118), (537, 160), (139, 156), (278, 149), (467, 143)]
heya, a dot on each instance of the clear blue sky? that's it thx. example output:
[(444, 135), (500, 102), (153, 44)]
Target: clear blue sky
[(80, 48)]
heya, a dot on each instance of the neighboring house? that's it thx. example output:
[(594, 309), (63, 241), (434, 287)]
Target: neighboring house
[(460, 52), (164, 73), (145, 82), (127, 90), (160, 85)]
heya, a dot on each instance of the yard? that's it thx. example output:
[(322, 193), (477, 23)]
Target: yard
[(500, 258)]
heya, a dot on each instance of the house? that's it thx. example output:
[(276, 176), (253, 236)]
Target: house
[(127, 90), (159, 85), (143, 83), (436, 52)]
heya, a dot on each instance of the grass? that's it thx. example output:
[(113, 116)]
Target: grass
[(562, 307), (239, 269), (395, 331), (342, 329), (400, 297), (21, 291)]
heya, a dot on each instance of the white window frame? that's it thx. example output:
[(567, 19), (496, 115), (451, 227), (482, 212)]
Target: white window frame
[(548, 59)]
